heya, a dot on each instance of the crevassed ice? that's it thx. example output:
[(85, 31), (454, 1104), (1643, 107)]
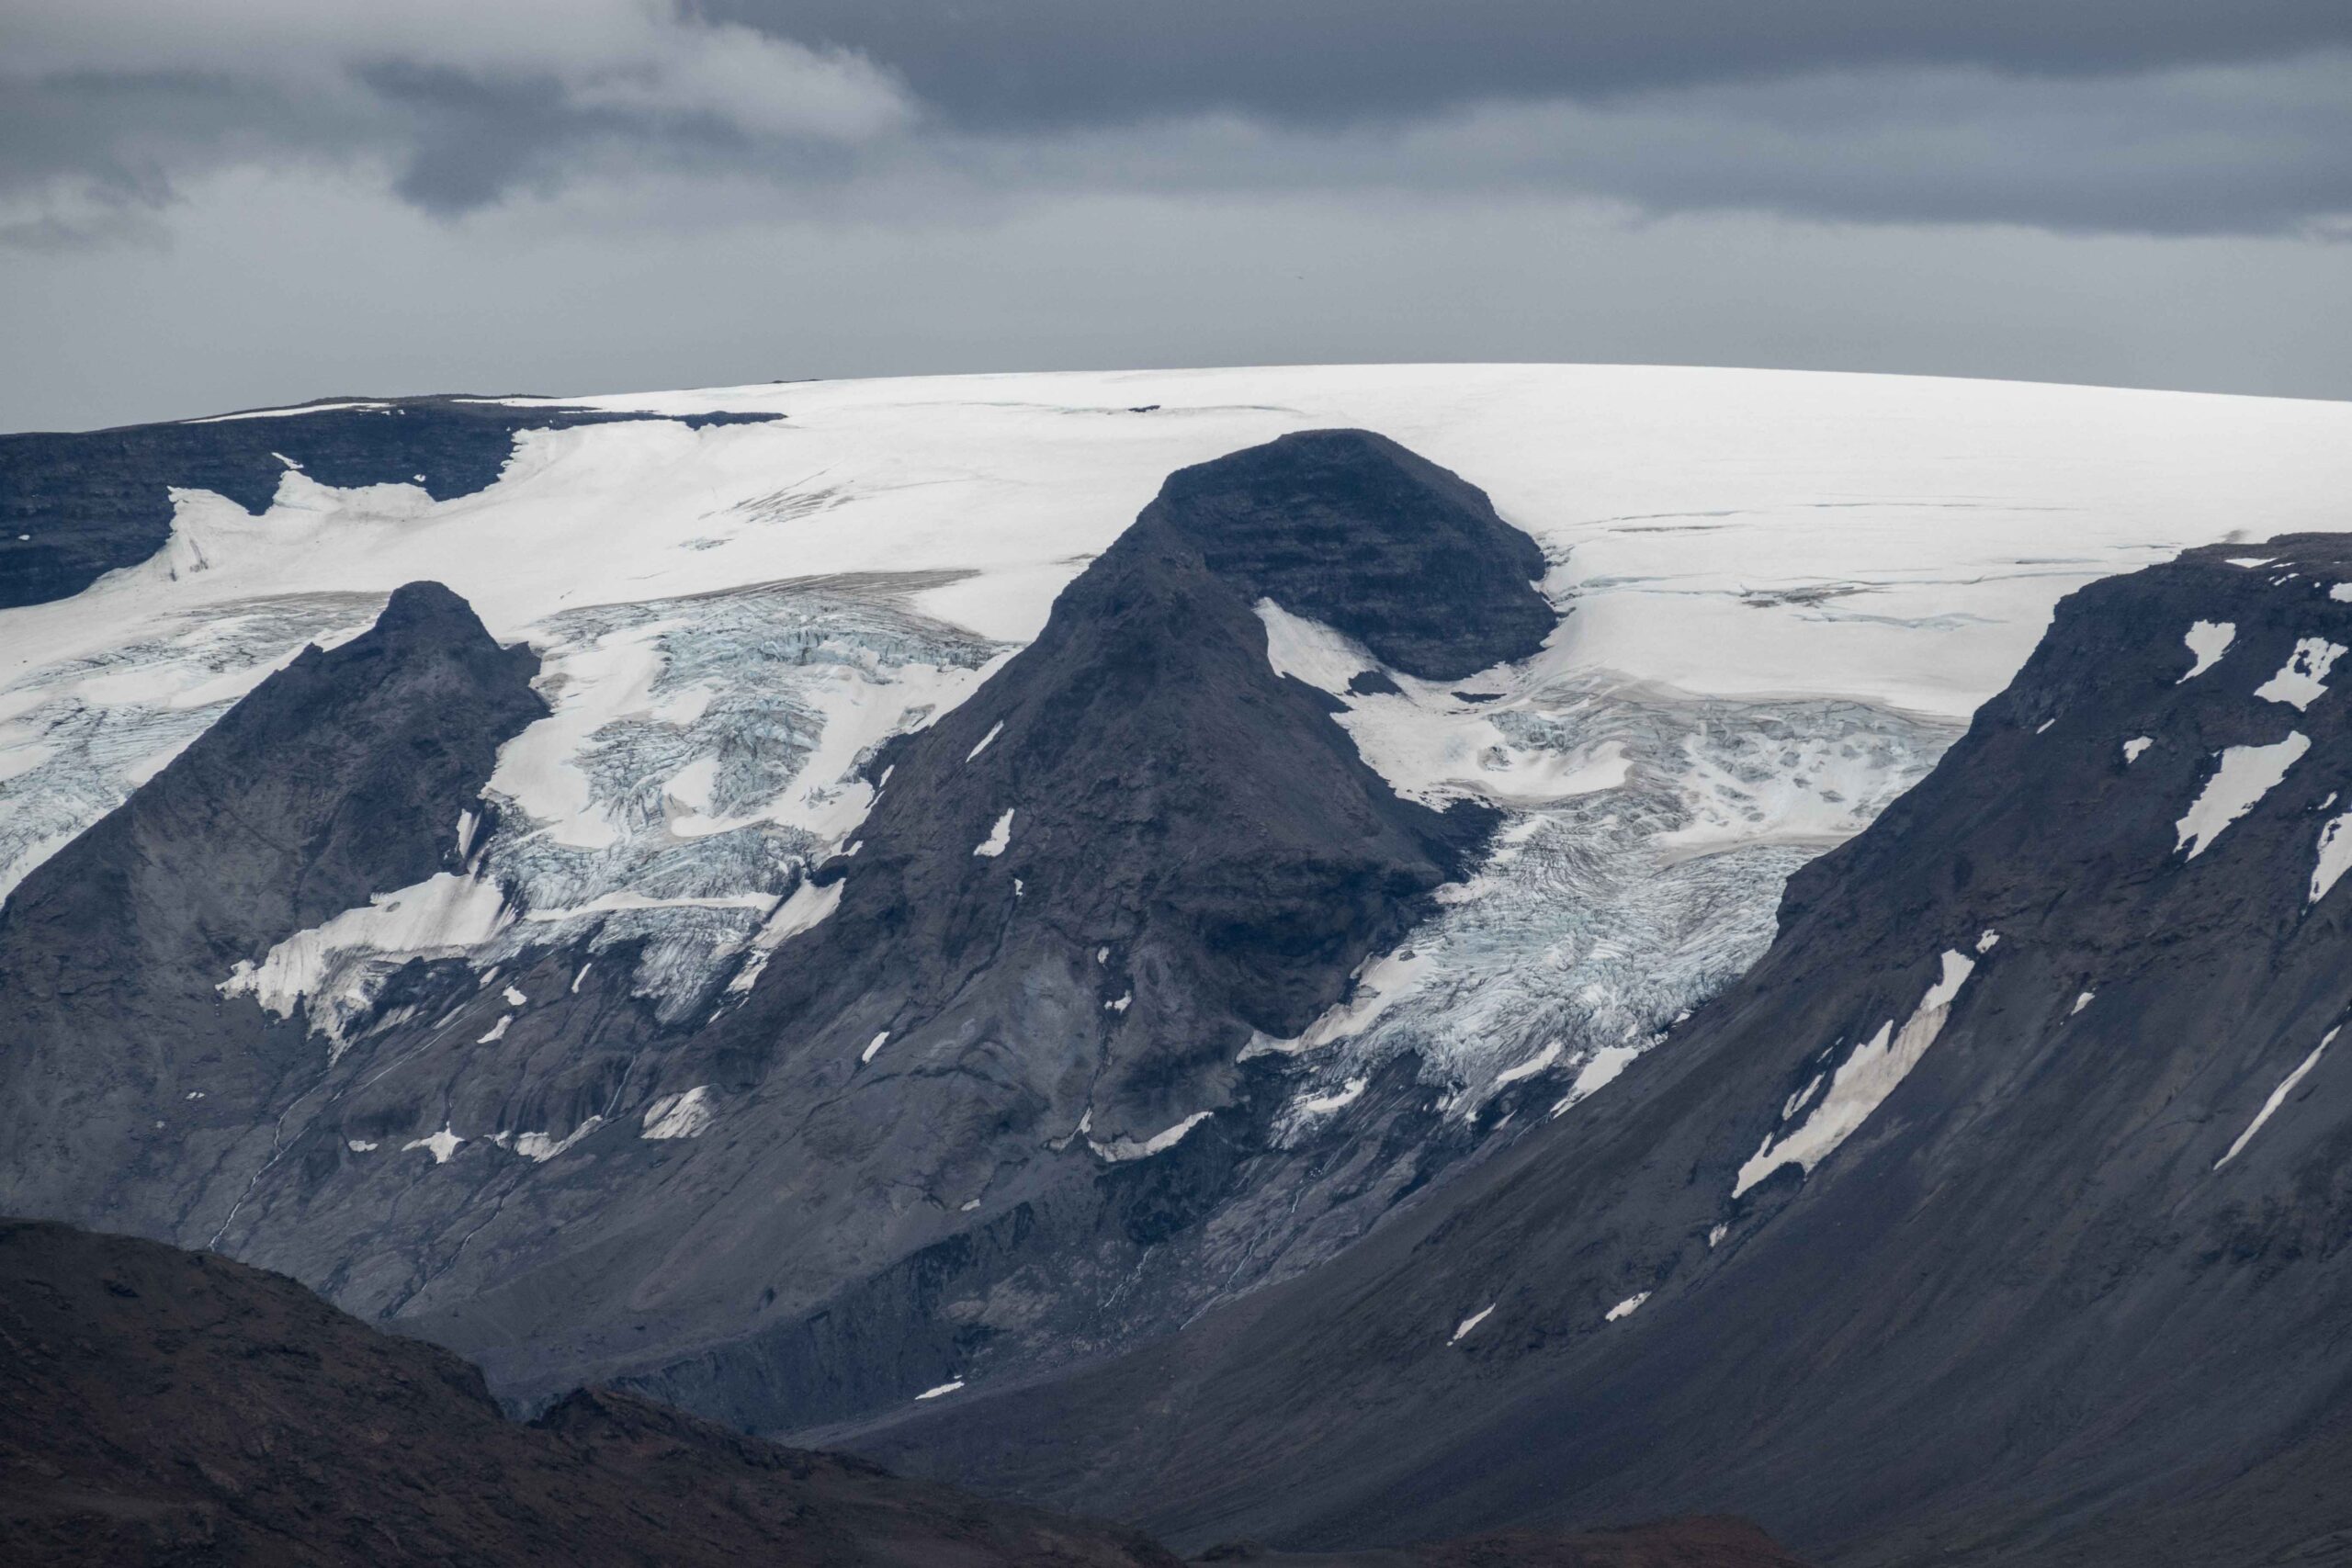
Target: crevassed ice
[(769, 702), (2246, 775), (1602, 915), (78, 735), (1863, 1082)]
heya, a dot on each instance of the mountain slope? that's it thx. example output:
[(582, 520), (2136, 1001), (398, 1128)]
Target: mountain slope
[(347, 776), (854, 1170), (911, 1127), (1995, 1216), (163, 1406)]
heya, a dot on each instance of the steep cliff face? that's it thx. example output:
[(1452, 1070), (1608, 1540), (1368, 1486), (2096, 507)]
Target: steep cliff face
[(132, 1079), (1997, 1213)]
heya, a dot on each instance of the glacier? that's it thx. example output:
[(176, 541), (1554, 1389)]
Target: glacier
[(1785, 594)]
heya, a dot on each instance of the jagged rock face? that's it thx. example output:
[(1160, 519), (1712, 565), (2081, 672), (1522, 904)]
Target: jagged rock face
[(1078, 899), (344, 777), (73, 506), (159, 1406), (995, 1057), (1995, 1214), (1138, 837)]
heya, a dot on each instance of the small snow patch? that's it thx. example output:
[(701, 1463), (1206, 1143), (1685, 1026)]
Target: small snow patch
[(1339, 1099), (1472, 1321), (2341, 592), (2335, 856), (516, 999), (2081, 1002), (874, 1045), (2208, 640), (941, 1390), (1529, 1068), (999, 837), (2249, 562), (2044, 724), (1122, 1004), (2133, 746), (1863, 1082), (1803, 1097), (1120, 1149), (1627, 1307), (995, 730), (1988, 942), (2246, 773), (541, 1148), (581, 976), (2304, 677), (2277, 1098), (1715, 1236), (443, 1143), (359, 1145), (498, 1029), (1597, 1073), (687, 1115)]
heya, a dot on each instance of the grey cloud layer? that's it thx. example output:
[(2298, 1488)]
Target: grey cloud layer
[(1028, 63), (2151, 116)]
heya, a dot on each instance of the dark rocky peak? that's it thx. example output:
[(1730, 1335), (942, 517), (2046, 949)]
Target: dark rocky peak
[(1140, 819), (339, 778), (1348, 528), (1995, 1216)]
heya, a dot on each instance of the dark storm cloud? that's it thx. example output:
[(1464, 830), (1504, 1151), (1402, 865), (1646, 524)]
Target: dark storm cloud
[(1037, 62), (2135, 116)]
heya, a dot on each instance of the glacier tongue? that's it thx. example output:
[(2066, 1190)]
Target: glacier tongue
[(1652, 834)]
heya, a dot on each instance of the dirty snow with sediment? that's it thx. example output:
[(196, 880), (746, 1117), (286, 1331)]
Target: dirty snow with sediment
[(1789, 590)]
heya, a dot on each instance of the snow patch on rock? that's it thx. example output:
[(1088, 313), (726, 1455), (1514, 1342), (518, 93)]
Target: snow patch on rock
[(2245, 775)]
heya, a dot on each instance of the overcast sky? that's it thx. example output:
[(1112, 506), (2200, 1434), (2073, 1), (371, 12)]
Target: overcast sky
[(207, 204)]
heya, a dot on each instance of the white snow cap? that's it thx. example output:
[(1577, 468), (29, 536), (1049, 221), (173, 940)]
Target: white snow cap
[(1627, 1307)]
